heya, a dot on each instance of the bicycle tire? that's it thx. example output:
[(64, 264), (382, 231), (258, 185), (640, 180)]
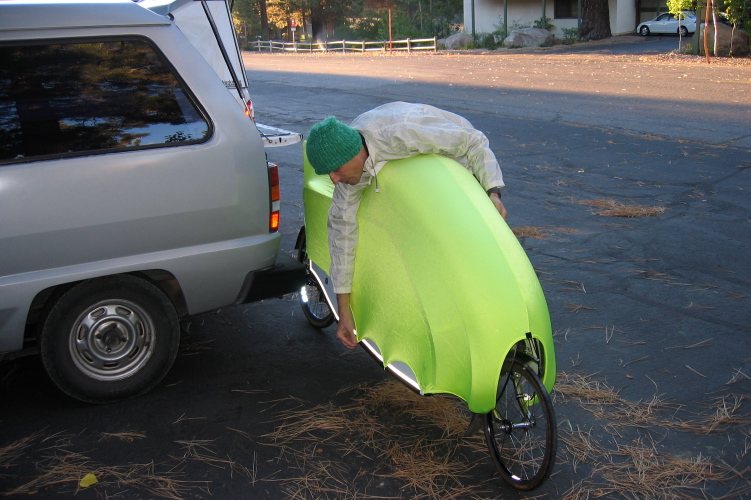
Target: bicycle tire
[(521, 431)]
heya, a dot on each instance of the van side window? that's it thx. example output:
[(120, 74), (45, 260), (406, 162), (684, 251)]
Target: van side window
[(83, 98)]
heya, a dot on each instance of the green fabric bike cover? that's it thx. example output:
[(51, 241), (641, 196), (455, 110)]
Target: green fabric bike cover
[(441, 283)]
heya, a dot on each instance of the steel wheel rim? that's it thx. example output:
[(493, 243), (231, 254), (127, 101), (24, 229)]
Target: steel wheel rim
[(112, 340)]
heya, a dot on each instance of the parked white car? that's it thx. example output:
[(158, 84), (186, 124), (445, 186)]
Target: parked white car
[(135, 191), (668, 24)]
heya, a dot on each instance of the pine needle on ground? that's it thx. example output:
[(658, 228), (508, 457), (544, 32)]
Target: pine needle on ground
[(613, 208), (414, 440)]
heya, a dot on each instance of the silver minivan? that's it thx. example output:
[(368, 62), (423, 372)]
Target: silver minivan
[(134, 190)]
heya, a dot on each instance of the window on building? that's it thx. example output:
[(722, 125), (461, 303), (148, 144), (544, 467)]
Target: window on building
[(74, 98), (566, 9)]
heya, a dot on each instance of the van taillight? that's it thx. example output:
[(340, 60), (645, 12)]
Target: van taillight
[(274, 196), (249, 111)]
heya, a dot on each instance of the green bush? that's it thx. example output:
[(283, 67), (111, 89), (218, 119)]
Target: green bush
[(570, 35), (371, 26), (548, 25), (500, 34), (486, 41), (366, 27)]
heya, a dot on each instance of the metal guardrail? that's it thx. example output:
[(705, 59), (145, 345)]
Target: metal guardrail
[(409, 45)]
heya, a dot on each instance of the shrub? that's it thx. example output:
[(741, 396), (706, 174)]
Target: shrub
[(548, 25), (570, 35), (471, 44), (486, 41)]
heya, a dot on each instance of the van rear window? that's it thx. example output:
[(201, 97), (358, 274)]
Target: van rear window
[(75, 98)]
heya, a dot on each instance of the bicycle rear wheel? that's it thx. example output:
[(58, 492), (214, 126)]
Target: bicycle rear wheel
[(312, 300), (521, 431)]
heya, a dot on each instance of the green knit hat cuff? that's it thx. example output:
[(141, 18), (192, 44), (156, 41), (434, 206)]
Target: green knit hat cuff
[(331, 144)]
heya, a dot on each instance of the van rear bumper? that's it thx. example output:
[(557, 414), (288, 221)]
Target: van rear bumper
[(287, 275)]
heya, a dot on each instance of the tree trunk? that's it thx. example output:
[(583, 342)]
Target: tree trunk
[(706, 24), (595, 24), (714, 26), (264, 19), (317, 24)]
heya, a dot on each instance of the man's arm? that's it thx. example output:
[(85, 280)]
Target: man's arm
[(426, 129), (343, 236), (345, 332), (496, 199), (465, 141)]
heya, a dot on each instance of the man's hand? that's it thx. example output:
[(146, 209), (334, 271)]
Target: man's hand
[(496, 199), (345, 332)]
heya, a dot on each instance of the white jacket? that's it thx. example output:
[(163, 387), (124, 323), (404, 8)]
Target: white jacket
[(394, 131)]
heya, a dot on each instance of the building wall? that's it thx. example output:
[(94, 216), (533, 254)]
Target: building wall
[(651, 9), (489, 15), (622, 16)]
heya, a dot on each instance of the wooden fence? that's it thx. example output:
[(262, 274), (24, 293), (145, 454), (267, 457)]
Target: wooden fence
[(407, 45)]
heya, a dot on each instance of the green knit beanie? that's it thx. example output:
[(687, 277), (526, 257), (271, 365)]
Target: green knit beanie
[(331, 144)]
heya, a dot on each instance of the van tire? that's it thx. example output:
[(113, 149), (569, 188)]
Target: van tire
[(109, 338)]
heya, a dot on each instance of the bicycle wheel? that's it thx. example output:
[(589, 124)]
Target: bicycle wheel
[(521, 431), (312, 299)]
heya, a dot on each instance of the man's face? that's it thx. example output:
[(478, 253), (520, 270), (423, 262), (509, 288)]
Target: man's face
[(351, 172)]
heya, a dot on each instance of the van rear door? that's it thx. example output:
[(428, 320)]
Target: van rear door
[(209, 27)]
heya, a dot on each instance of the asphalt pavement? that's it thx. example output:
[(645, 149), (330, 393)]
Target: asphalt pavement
[(651, 312)]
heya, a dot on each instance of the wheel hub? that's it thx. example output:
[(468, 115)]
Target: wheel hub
[(112, 337), (506, 426), (112, 340)]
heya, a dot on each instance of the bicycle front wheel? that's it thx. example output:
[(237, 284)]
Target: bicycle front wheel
[(521, 431)]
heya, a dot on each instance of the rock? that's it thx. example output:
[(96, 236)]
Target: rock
[(457, 41), (724, 33), (528, 37)]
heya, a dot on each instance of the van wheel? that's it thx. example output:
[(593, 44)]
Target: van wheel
[(109, 338)]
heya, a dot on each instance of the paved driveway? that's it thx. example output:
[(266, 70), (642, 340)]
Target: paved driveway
[(626, 44), (651, 313)]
